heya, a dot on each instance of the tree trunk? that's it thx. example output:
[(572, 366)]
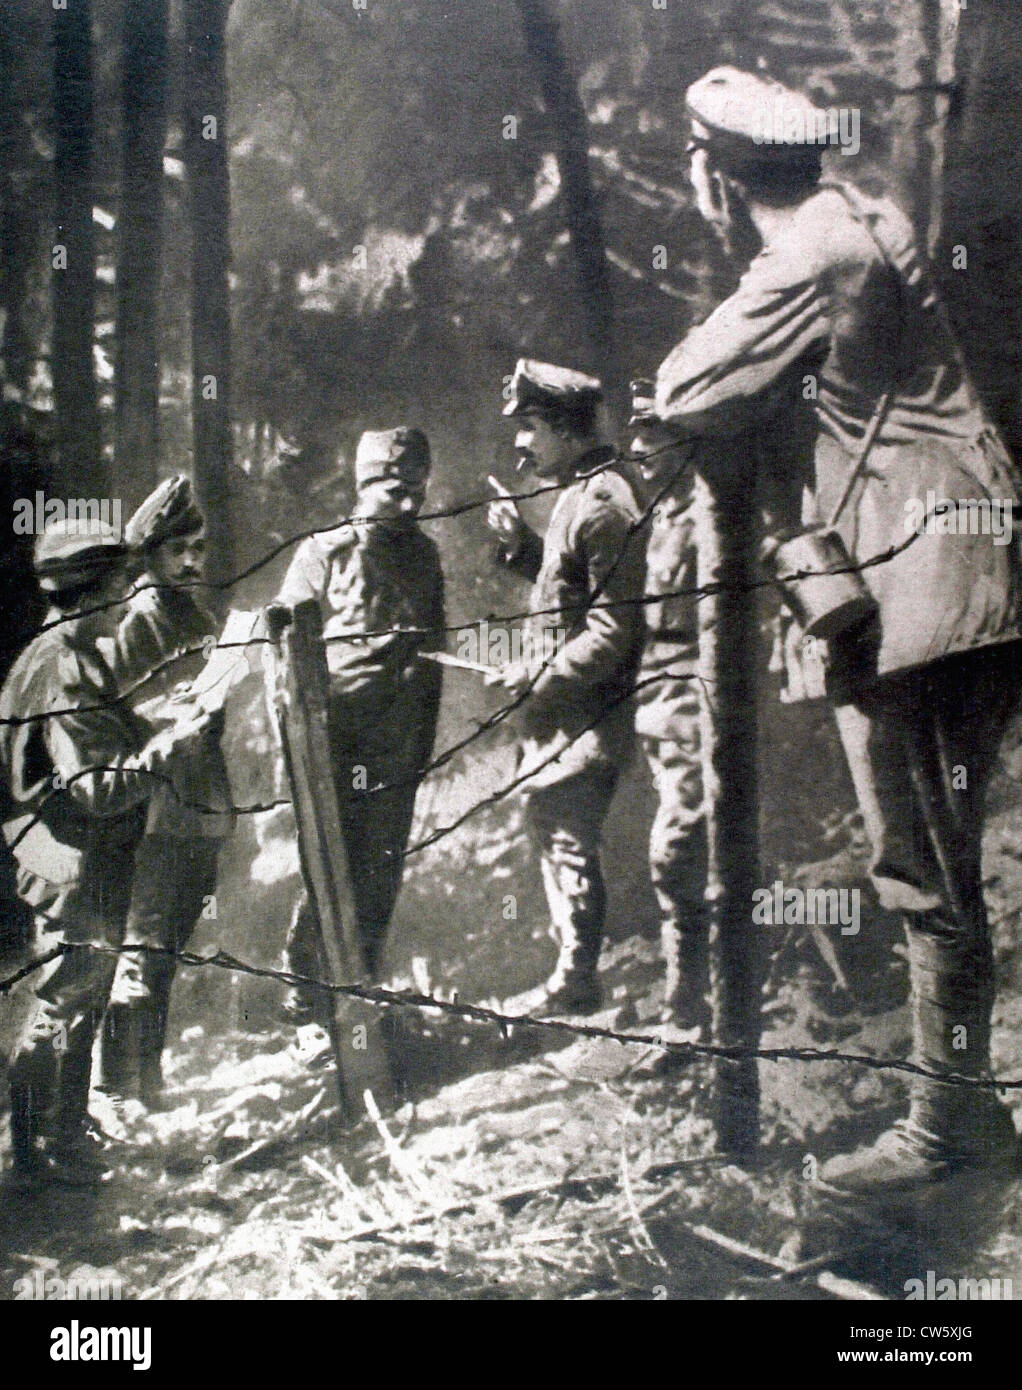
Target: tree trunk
[(209, 196), (74, 383), (139, 254), (564, 106), (979, 260), (18, 230), (916, 110)]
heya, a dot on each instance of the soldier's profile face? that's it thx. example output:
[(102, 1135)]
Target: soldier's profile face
[(707, 186), (180, 559), (539, 447), (655, 450)]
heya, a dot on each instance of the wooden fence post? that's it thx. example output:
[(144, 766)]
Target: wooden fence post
[(300, 700), (726, 528)]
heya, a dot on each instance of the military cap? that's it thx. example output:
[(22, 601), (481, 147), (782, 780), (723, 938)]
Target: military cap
[(752, 116), (544, 388), (643, 393), (70, 553), (398, 453), (170, 510)]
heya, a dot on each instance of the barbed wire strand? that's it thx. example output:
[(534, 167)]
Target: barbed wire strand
[(456, 510), (261, 807), (697, 592), (384, 997), (479, 1012)]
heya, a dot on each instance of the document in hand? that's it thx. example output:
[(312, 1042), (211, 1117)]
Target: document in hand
[(230, 662)]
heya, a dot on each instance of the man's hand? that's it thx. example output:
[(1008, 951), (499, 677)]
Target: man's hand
[(516, 678), (504, 519), (180, 739)]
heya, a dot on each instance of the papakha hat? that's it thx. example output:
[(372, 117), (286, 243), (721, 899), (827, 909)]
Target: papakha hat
[(170, 510)]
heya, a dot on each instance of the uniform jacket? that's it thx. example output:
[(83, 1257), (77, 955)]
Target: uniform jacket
[(590, 551), (663, 700), (160, 625), (95, 815), (371, 580), (844, 292)]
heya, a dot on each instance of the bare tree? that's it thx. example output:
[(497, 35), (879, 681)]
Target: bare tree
[(209, 199), (74, 255), (568, 118), (979, 255), (140, 246)]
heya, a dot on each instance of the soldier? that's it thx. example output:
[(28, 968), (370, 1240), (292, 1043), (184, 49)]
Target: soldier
[(160, 647), (838, 292), (373, 576), (577, 716), (78, 783), (667, 713)]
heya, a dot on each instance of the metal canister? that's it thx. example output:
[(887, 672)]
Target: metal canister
[(814, 573)]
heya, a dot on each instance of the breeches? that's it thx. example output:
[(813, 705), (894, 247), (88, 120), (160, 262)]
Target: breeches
[(565, 823), (175, 878), (677, 840), (51, 1060), (375, 827), (921, 748)]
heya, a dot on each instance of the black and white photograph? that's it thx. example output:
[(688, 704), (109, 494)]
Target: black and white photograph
[(511, 659)]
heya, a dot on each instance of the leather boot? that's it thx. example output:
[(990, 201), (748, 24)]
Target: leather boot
[(152, 1033), (950, 1126), (129, 993), (686, 979), (571, 992), (24, 1153), (302, 1004), (119, 1075), (34, 1071), (577, 901)]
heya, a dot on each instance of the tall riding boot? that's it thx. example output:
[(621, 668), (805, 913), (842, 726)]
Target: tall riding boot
[(303, 1003), (23, 1127), (686, 978), (68, 1117), (152, 1014), (120, 1042), (119, 1075), (33, 1081), (577, 898), (950, 1125)]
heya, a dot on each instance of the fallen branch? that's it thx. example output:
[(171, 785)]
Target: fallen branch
[(400, 1161), (828, 1281), (636, 1217)]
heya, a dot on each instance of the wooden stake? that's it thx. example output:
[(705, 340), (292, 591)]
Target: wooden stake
[(725, 506), (300, 700)]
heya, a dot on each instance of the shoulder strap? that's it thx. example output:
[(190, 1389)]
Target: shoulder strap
[(883, 405)]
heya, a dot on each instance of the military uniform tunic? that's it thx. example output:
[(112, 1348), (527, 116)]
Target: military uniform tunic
[(587, 574), (577, 724), (667, 720), (842, 295), (384, 701), (75, 862), (845, 293), (159, 646)]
